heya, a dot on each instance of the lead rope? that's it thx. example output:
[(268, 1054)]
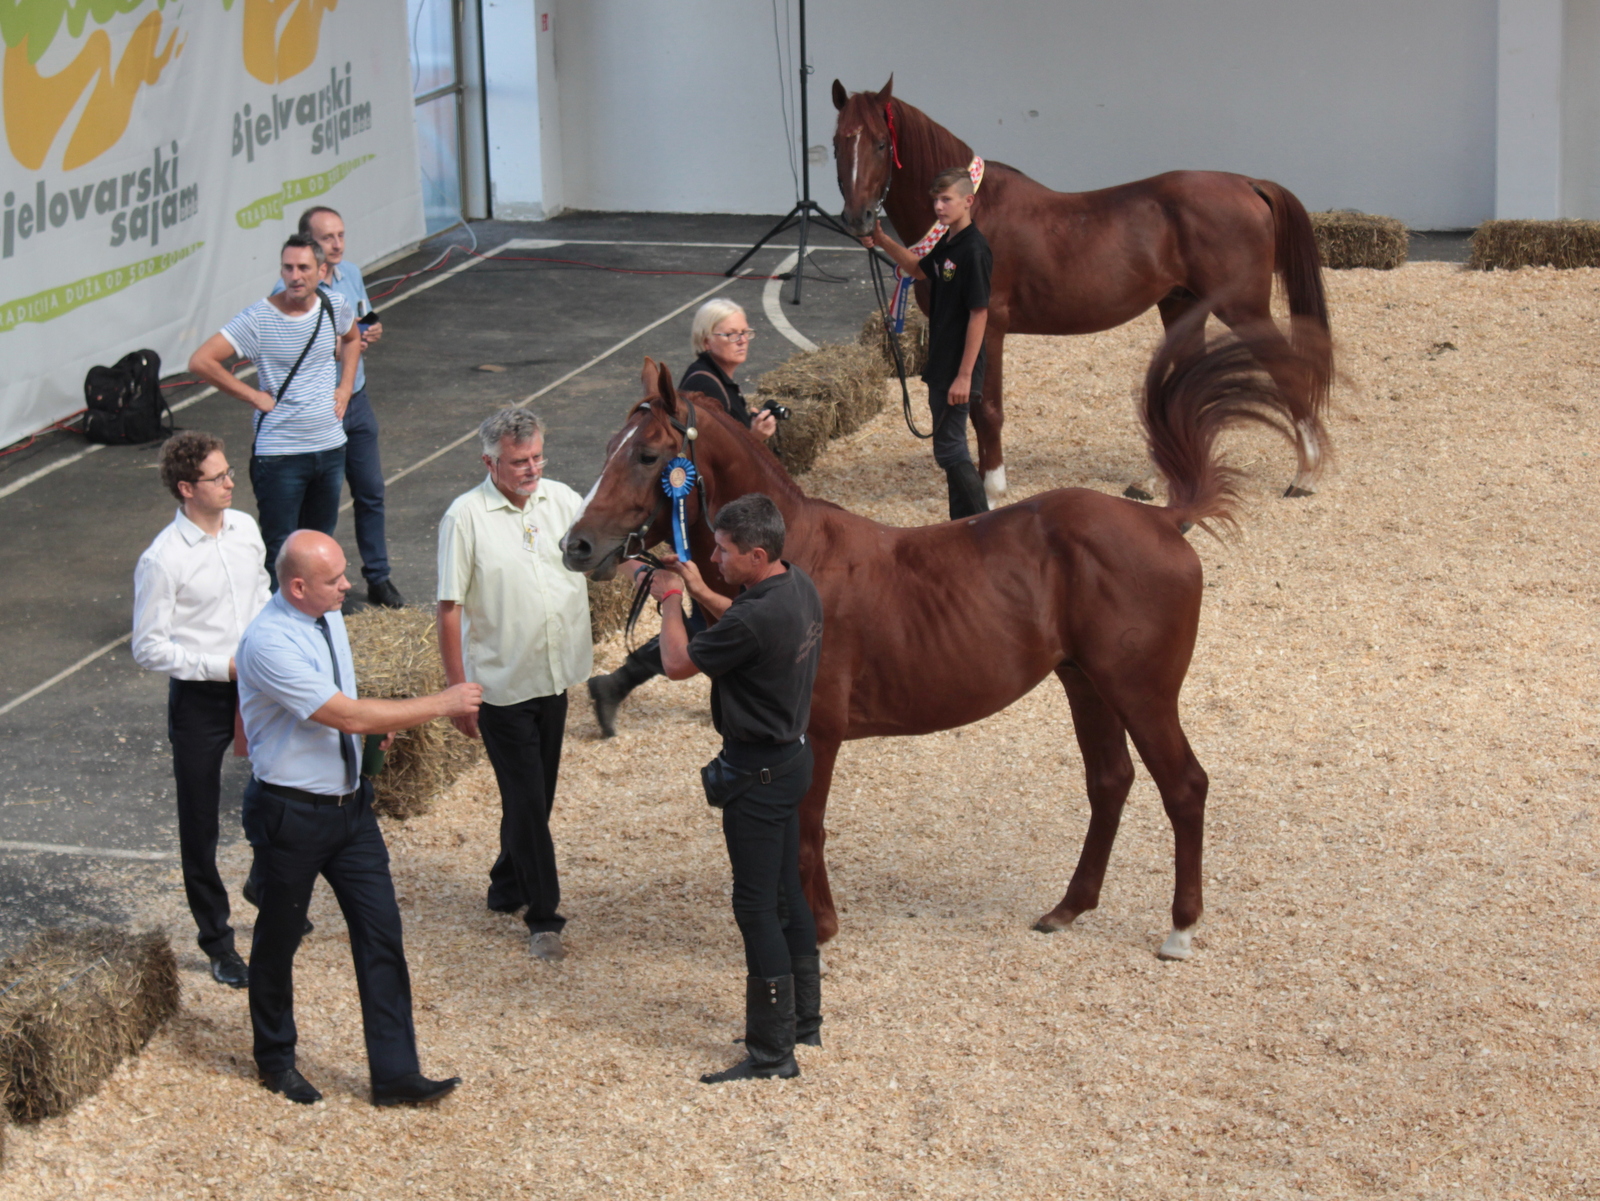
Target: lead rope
[(894, 344)]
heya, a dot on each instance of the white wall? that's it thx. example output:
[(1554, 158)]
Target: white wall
[(1369, 104)]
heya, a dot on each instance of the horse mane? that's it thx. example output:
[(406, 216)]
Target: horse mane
[(924, 141)]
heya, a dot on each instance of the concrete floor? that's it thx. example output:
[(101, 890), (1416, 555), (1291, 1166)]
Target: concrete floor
[(86, 766)]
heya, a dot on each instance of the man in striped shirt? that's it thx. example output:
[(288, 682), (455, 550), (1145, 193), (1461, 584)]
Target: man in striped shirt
[(306, 347)]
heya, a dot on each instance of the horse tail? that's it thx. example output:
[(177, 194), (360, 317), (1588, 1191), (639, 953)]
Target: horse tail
[(1298, 263), (1193, 392)]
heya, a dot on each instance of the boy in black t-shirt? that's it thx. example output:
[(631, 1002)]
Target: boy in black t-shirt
[(957, 270)]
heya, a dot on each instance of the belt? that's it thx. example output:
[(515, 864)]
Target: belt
[(310, 798)]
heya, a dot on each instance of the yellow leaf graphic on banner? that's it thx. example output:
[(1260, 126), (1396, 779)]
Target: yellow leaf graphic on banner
[(37, 106), (272, 57), (270, 208)]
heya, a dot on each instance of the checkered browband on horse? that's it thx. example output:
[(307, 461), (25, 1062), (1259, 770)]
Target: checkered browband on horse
[(902, 291)]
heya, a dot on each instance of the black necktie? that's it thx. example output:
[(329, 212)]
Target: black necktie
[(346, 752)]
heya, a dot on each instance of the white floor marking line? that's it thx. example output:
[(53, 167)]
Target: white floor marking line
[(772, 304), (540, 244), (51, 848), (61, 675), (554, 384)]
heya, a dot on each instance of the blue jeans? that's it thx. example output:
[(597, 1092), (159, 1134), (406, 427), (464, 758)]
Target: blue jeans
[(296, 492), (365, 474)]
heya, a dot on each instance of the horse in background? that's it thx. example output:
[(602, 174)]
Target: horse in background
[(939, 626), (1080, 262)]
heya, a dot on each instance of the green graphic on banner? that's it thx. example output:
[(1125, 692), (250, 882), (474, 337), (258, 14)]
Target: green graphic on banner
[(53, 302), (270, 208)]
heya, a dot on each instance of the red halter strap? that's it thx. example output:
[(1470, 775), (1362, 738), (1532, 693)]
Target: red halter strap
[(894, 138)]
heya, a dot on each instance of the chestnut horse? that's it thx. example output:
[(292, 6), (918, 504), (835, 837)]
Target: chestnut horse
[(930, 628), (1079, 262)]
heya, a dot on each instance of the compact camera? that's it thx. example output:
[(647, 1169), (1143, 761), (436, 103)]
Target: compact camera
[(781, 412)]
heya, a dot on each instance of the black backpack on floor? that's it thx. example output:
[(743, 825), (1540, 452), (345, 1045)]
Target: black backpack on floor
[(124, 404)]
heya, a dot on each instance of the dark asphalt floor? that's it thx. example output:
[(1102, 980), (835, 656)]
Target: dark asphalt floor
[(86, 763)]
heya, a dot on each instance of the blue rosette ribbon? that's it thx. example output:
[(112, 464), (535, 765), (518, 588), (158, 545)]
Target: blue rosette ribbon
[(677, 481)]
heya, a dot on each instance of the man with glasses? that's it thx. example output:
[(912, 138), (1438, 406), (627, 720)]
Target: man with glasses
[(513, 619), (721, 337), (196, 588), (363, 469)]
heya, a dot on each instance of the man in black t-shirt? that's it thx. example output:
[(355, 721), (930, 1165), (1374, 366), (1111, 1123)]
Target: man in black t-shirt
[(761, 655), (957, 270)]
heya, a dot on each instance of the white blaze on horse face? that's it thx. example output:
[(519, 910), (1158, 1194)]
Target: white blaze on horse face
[(994, 482), (595, 487)]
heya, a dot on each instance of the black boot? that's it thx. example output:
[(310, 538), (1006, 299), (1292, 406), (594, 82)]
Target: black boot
[(967, 498), (610, 690), (768, 1032), (807, 999)]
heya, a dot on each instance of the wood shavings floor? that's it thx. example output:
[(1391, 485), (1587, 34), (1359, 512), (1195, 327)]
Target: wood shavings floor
[(1395, 991)]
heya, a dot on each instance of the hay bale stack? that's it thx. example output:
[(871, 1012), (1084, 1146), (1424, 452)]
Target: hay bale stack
[(608, 605), (913, 342), (73, 1005), (832, 390), (1349, 239), (397, 655), (1512, 244)]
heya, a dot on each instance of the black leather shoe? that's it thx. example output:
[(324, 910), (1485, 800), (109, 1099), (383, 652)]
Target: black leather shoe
[(291, 1084), (385, 595), (230, 969), (249, 891), (413, 1089)]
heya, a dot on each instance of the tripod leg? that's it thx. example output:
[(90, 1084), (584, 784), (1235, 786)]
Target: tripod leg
[(800, 263), (784, 223)]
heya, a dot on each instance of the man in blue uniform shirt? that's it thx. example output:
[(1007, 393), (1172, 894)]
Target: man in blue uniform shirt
[(308, 812)]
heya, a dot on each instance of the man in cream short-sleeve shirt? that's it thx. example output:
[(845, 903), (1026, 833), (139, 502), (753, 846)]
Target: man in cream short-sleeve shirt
[(516, 621)]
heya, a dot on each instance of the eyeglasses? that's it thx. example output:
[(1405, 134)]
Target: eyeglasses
[(217, 479), (738, 335), (536, 464)]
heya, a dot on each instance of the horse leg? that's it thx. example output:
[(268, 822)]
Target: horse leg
[(1108, 772), (1183, 785), (989, 414), (813, 834), (1173, 307)]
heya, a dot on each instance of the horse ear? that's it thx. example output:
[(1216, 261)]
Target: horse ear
[(840, 96), (647, 377), (888, 88), (664, 388)]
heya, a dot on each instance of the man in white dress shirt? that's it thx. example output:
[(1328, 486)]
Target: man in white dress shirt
[(514, 619), (195, 589)]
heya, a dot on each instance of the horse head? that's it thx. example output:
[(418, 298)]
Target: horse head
[(863, 153), (627, 503)]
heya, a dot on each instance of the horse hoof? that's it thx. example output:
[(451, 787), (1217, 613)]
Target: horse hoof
[(1177, 947), (1051, 924), (1185, 526), (1295, 492), (1134, 492)]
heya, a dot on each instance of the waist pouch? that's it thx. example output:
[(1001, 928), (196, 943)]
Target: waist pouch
[(725, 784)]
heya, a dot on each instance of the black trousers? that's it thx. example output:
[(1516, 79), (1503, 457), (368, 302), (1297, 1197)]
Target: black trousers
[(762, 830), (200, 728), (524, 746), (294, 843)]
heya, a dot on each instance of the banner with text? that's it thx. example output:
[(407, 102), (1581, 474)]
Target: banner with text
[(157, 154)]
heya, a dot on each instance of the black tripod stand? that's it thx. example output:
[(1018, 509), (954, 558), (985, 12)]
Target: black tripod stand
[(806, 210)]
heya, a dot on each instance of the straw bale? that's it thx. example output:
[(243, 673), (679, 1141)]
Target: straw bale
[(396, 656), (1348, 239), (73, 1005), (1510, 244), (608, 605), (1394, 993), (913, 341), (831, 390)]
